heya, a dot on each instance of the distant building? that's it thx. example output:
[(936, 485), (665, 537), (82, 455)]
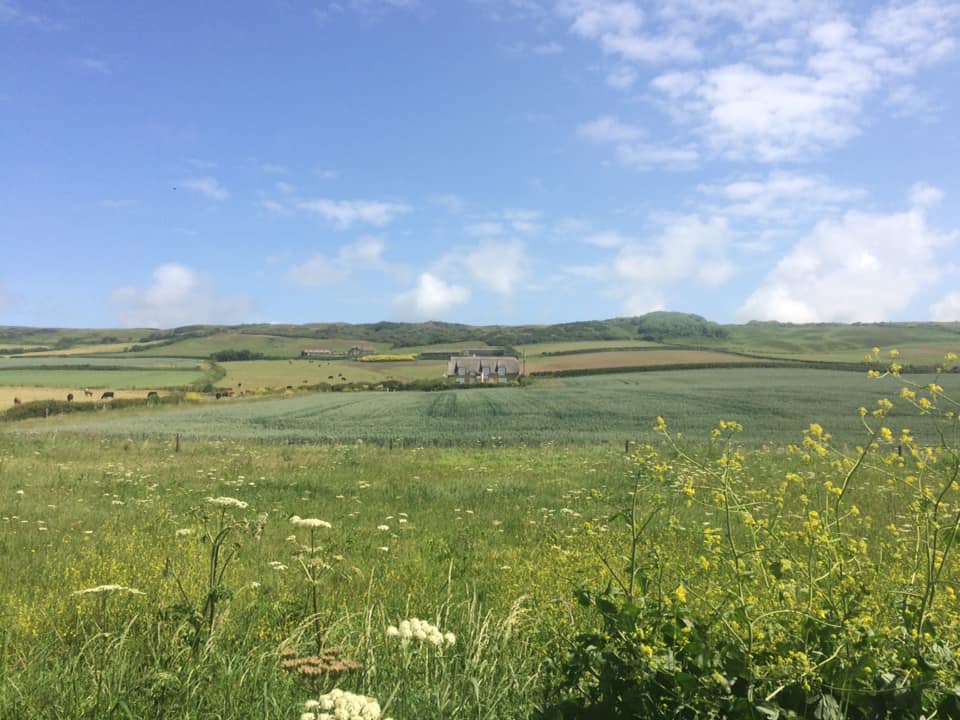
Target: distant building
[(317, 353), (471, 370), (357, 351)]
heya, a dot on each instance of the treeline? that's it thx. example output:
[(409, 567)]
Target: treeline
[(234, 355)]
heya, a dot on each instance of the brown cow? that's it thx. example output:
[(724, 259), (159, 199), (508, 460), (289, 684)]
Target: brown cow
[(16, 401), (107, 395), (87, 392), (69, 397)]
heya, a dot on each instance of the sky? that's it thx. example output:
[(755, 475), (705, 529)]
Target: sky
[(478, 161)]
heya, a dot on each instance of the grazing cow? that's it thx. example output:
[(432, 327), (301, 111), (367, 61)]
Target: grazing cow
[(16, 401), (69, 397), (87, 392), (108, 395), (152, 395), (217, 396)]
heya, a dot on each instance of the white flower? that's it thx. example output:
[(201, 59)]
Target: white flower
[(183, 532), (383, 528), (99, 589), (393, 631), (309, 522), (450, 638), (422, 631), (227, 502)]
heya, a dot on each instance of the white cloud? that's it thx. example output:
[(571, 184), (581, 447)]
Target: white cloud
[(344, 213), (499, 266), (781, 197), (179, 295), (431, 299), (742, 109), (323, 271), (948, 309), (617, 26), (862, 267), (630, 150), (451, 202), (484, 229), (686, 250), (207, 186), (925, 196), (12, 14)]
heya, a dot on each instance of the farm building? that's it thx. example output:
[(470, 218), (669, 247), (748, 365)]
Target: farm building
[(470, 370), (358, 351), (317, 353)]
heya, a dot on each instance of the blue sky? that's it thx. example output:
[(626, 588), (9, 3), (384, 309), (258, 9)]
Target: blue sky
[(479, 161)]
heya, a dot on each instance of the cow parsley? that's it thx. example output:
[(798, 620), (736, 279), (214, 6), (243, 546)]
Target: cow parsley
[(421, 631), (342, 705), (227, 502), (309, 522)]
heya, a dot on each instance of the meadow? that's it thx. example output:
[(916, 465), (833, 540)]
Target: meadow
[(253, 374), (708, 575), (773, 404)]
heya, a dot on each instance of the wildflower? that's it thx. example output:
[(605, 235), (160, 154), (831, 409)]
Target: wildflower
[(342, 705), (681, 593), (183, 532), (227, 502), (383, 528), (277, 565), (422, 631), (100, 589), (309, 522)]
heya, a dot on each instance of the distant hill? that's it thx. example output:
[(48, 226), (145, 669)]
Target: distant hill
[(828, 341)]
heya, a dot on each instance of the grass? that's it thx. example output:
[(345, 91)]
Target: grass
[(630, 359), (92, 378), (577, 346), (487, 543), (124, 362), (772, 404), (271, 346), (254, 374)]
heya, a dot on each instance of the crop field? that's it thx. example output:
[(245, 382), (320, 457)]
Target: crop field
[(846, 342), (31, 394), (255, 374), (579, 346), (238, 578), (269, 345), (92, 378), (771, 403), (633, 358)]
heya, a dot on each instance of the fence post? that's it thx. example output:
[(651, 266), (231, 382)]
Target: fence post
[(177, 449)]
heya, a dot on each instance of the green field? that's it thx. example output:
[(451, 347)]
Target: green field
[(125, 362), (773, 404), (254, 374), (579, 346), (91, 378), (271, 346)]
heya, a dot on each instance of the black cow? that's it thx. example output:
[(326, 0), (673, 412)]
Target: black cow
[(69, 397), (108, 395), (152, 395)]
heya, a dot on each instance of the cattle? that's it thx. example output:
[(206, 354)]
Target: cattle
[(17, 401), (87, 392), (108, 395), (217, 396), (152, 395), (69, 397)]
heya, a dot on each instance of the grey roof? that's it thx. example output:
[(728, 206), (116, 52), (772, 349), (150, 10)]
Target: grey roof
[(510, 365)]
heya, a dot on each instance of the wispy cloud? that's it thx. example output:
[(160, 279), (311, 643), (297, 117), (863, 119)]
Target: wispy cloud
[(207, 186), (630, 148), (325, 271), (346, 213), (644, 270)]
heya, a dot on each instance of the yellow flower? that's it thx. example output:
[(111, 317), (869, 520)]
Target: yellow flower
[(886, 434), (681, 593)]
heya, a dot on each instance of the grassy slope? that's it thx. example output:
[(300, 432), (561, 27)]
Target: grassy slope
[(773, 404), (269, 345), (630, 359)]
